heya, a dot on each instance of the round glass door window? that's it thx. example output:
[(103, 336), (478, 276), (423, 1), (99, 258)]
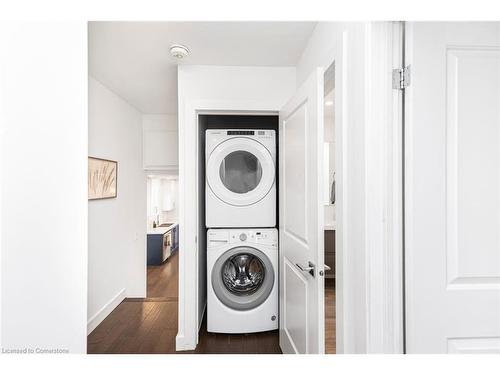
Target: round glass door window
[(242, 278), (240, 172), (243, 274)]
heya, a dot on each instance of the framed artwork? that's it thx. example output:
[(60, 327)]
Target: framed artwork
[(102, 179)]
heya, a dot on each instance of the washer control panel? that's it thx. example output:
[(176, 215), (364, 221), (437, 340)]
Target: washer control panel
[(267, 236), (259, 236)]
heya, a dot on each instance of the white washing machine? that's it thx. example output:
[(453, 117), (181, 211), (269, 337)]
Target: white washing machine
[(240, 178), (242, 280)]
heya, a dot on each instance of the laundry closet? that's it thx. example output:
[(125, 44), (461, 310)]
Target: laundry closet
[(250, 175), (238, 175)]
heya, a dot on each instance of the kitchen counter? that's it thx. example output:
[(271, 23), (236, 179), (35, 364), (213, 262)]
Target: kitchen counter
[(162, 230)]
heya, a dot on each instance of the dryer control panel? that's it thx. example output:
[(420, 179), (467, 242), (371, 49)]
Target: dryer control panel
[(267, 236), (252, 133), (215, 136)]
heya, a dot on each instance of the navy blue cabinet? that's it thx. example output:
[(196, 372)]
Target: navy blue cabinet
[(155, 249), (175, 238), (161, 244)]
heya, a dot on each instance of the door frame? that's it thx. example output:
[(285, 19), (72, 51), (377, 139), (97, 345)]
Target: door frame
[(189, 323), (369, 204), (384, 190)]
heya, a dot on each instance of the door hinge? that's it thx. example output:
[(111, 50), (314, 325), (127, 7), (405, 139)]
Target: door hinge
[(401, 78)]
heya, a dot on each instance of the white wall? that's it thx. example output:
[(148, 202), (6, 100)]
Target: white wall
[(329, 166), (160, 121), (117, 227), (224, 88), (160, 143), (321, 49), (43, 176)]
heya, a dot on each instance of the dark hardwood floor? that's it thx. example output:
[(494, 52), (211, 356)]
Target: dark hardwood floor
[(149, 325), (136, 327), (143, 325), (330, 327), (163, 280), (248, 343)]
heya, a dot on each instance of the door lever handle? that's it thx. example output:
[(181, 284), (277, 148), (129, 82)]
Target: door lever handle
[(327, 268), (309, 269)]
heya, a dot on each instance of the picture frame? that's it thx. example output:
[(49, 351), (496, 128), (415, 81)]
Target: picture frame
[(102, 178)]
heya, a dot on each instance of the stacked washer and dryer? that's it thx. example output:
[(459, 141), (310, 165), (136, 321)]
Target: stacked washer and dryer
[(242, 240)]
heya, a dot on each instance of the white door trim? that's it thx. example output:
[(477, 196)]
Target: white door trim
[(409, 192), (384, 249), (369, 279)]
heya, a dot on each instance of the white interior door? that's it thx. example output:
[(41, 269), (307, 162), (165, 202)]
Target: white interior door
[(453, 188), (301, 220)]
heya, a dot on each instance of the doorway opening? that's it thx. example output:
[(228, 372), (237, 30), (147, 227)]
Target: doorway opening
[(329, 207), (162, 238)]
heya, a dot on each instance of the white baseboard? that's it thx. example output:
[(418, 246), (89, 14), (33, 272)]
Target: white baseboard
[(182, 344), (94, 321)]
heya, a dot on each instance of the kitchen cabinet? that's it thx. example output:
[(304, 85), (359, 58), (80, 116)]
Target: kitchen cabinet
[(161, 242), (175, 238), (155, 248), (160, 143)]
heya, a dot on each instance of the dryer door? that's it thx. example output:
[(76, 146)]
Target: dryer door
[(240, 171), (242, 278)]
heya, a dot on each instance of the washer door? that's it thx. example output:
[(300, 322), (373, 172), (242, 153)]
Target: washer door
[(240, 171), (242, 278)]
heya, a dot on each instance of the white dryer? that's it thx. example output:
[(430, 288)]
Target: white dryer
[(242, 280), (240, 178)]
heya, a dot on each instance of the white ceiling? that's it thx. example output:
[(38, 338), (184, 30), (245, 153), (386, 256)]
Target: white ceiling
[(133, 60)]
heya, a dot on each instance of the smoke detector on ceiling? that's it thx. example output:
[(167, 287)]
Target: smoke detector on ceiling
[(179, 51)]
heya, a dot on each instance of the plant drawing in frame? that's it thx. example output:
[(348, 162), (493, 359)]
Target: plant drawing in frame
[(102, 178)]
